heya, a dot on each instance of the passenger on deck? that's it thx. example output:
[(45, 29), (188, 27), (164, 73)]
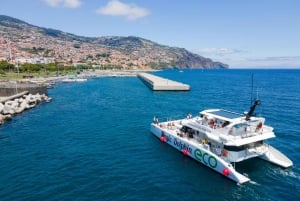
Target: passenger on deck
[(225, 124), (188, 116), (190, 134), (211, 123), (155, 120), (218, 151)]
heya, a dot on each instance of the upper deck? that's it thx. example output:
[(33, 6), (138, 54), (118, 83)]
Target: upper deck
[(223, 115), (230, 128)]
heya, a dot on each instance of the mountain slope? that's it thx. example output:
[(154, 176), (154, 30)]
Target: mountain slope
[(29, 41)]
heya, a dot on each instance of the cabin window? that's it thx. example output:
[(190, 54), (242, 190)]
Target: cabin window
[(254, 144), (185, 129), (243, 147), (234, 148)]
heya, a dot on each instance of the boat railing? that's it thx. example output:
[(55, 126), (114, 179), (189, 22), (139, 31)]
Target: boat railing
[(244, 132), (267, 128), (168, 125), (202, 128), (168, 119)]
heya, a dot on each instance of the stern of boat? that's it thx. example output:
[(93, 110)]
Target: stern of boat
[(276, 157)]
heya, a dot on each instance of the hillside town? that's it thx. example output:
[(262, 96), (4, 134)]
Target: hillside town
[(22, 43), (31, 45), (35, 48)]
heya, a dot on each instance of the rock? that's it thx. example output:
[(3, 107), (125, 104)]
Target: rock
[(31, 100), (1, 108), (24, 105), (37, 97), (7, 110), (45, 98), (4, 118)]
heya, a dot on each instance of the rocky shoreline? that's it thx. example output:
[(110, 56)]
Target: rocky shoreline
[(16, 104)]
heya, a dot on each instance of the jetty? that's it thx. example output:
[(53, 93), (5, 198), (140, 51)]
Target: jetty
[(157, 83)]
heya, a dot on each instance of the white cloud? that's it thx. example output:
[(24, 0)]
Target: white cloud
[(53, 3), (64, 3), (264, 62), (118, 8), (237, 58), (276, 61), (219, 51), (72, 3)]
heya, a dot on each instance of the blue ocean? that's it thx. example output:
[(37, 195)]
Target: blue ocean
[(93, 141)]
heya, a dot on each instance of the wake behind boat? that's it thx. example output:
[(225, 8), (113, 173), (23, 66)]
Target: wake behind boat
[(219, 138)]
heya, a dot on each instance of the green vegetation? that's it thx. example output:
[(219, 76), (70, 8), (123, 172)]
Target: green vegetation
[(153, 65), (34, 50), (5, 66), (76, 45), (111, 66), (9, 71), (157, 66), (102, 55)]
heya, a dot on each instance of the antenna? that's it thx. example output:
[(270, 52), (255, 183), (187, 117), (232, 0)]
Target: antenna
[(253, 103), (251, 100)]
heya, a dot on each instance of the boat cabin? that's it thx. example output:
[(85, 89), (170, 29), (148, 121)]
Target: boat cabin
[(229, 131), (231, 123)]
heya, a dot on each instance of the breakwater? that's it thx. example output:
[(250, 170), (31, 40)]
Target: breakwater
[(17, 97), (161, 84), (18, 103)]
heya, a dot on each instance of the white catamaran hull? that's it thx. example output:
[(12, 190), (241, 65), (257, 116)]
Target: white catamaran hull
[(276, 157), (199, 152)]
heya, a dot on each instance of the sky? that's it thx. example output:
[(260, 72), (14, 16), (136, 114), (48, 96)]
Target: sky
[(241, 33)]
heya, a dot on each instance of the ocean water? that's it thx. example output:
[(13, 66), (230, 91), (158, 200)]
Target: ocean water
[(92, 142)]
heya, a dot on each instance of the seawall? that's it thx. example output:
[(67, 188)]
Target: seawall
[(12, 87)]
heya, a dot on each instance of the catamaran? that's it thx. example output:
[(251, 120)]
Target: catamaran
[(220, 138)]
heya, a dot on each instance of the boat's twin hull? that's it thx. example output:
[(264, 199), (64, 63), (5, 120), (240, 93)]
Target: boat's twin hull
[(199, 152), (276, 157)]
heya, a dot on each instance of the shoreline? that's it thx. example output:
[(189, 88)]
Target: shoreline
[(21, 94), (48, 82), (83, 74)]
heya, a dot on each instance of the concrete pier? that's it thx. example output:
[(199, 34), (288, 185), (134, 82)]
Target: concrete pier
[(161, 84)]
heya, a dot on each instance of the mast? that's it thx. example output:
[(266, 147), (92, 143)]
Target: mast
[(253, 103), (251, 100)]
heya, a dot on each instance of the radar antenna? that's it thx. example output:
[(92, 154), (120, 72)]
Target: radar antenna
[(252, 108)]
